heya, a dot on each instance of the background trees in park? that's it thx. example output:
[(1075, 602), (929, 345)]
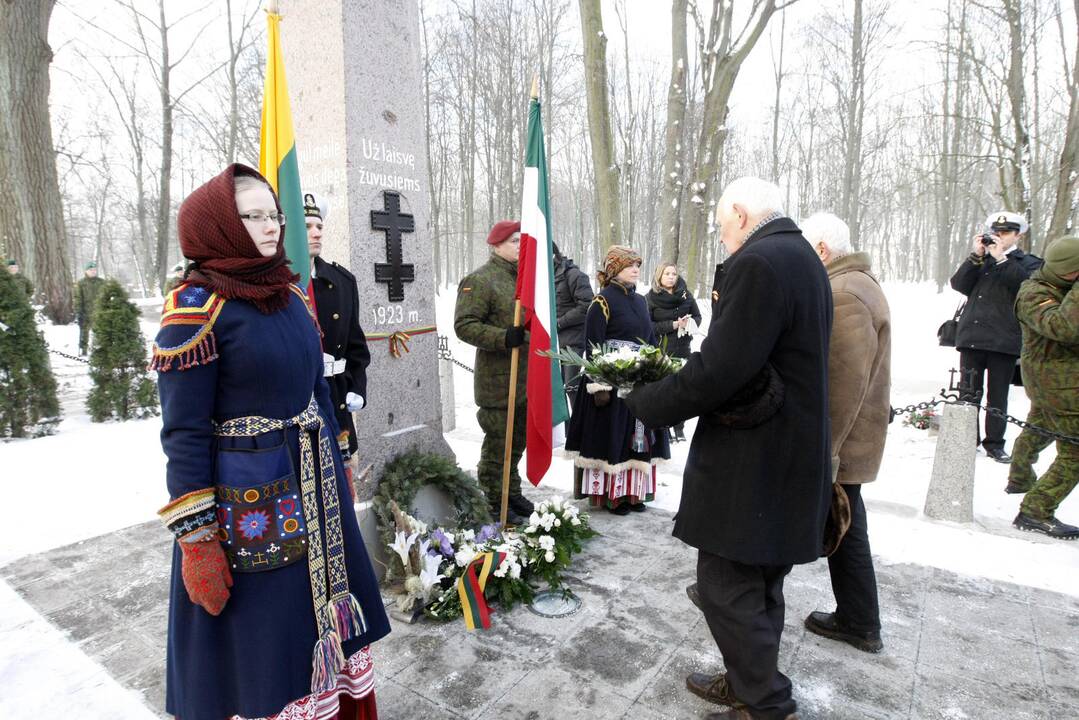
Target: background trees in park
[(912, 121)]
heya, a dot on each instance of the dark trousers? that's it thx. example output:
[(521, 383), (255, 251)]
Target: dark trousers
[(973, 365), (851, 566), (743, 605)]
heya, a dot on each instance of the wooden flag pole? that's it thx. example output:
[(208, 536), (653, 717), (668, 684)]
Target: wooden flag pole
[(273, 7), (535, 87), (508, 455)]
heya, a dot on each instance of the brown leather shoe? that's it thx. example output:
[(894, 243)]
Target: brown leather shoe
[(713, 688)]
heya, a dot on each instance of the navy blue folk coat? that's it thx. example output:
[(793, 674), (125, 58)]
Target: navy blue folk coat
[(255, 657)]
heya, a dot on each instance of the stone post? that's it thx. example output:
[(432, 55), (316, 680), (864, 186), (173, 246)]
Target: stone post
[(357, 103), (951, 487)]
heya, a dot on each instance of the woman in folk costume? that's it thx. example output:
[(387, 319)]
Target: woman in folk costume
[(671, 306), (273, 602), (615, 455)]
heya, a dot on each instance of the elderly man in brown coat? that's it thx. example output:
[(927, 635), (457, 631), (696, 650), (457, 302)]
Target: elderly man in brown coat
[(859, 403)]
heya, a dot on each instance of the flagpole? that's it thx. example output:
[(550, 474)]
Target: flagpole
[(273, 7), (507, 455)]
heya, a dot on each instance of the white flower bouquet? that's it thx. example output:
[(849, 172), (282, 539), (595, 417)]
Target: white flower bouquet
[(621, 365)]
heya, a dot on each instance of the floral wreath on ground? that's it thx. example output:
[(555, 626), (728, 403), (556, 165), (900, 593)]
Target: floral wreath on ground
[(920, 419), (427, 562)]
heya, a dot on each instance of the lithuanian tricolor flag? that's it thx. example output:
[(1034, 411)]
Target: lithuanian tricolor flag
[(470, 587), (277, 151), (535, 289)]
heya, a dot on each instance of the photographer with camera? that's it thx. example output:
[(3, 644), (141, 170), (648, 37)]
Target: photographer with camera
[(988, 337)]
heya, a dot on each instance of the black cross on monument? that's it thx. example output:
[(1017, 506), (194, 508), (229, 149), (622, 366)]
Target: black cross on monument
[(391, 221)]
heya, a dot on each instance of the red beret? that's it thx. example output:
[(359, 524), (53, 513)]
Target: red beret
[(502, 230)]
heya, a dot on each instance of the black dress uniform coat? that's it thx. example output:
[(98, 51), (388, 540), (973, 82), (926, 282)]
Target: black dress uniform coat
[(756, 495), (988, 321), (338, 306)]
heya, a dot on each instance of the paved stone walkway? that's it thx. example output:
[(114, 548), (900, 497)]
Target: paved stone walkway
[(956, 647)]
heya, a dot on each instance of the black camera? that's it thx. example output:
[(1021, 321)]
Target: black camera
[(988, 239)]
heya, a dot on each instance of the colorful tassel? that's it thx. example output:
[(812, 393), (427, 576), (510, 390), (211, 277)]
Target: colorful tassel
[(328, 660)]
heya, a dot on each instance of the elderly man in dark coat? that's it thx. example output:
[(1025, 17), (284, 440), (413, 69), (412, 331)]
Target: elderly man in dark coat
[(757, 481)]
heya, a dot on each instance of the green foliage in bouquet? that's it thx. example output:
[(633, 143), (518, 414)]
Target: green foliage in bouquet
[(28, 404), (621, 366), (122, 387)]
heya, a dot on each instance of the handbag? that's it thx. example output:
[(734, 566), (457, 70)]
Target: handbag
[(948, 329)]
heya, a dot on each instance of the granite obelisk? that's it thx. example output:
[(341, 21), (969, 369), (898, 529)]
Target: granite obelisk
[(357, 102)]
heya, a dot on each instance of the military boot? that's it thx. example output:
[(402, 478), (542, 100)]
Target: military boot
[(1051, 527), (522, 505), (512, 518)]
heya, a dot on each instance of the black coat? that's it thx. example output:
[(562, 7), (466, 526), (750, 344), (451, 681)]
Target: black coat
[(573, 294), (988, 321), (757, 495), (606, 433), (666, 307), (338, 306)]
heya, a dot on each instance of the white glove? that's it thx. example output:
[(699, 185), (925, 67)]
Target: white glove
[(354, 402)]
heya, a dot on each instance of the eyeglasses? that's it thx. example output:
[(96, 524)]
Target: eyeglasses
[(258, 217)]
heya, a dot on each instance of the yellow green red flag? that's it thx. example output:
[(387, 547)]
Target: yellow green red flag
[(277, 151)]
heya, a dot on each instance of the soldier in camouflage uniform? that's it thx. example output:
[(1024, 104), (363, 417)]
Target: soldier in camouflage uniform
[(22, 280), (1048, 309), (86, 291), (484, 318)]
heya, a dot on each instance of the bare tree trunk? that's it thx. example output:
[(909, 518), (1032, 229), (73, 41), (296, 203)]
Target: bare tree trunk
[(1020, 170), (164, 190), (670, 204), (1067, 179), (722, 58), (852, 175), (779, 89), (34, 223), (608, 195)]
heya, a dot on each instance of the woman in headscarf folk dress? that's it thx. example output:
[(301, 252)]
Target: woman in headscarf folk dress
[(614, 454), (273, 602)]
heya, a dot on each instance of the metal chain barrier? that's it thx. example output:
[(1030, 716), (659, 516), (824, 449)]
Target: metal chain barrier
[(952, 398), (445, 354), (67, 356)]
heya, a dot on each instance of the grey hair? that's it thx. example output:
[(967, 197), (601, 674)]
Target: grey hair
[(758, 197), (824, 227)]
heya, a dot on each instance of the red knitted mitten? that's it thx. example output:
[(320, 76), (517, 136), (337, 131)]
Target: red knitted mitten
[(206, 574)]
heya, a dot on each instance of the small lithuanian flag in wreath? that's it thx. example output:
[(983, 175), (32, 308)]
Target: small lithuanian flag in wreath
[(471, 585)]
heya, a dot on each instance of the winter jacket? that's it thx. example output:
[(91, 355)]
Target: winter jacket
[(756, 495), (573, 294), (86, 292), (485, 300), (859, 369), (666, 307), (988, 321), (1050, 318)]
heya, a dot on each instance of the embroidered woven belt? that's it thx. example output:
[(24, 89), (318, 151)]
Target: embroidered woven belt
[(337, 611)]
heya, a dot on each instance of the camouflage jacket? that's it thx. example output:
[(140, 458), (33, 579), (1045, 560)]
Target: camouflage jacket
[(86, 291), (1049, 316), (485, 300)]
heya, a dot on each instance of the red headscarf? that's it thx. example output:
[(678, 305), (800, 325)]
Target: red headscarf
[(227, 261)]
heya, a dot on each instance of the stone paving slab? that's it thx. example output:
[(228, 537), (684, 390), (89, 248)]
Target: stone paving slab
[(955, 647)]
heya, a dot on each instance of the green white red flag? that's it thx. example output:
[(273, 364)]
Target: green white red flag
[(535, 289)]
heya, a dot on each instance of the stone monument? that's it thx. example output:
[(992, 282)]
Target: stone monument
[(951, 487), (355, 86)]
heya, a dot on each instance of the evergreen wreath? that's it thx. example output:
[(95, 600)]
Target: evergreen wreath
[(403, 477)]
